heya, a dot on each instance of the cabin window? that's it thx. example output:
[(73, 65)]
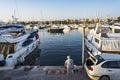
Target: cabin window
[(7, 48), (96, 40), (117, 30), (27, 42), (104, 30)]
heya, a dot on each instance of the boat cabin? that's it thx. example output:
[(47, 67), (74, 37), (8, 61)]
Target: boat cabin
[(105, 38)]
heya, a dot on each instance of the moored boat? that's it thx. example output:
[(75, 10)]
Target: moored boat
[(16, 43), (66, 29), (55, 29), (103, 39)]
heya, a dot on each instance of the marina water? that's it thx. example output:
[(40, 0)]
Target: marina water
[(56, 46)]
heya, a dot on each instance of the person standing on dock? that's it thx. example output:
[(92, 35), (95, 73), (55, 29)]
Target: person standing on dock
[(69, 65)]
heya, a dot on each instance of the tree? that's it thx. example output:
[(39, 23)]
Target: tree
[(118, 18)]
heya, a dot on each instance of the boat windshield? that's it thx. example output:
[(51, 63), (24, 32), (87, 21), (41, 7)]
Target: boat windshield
[(7, 48)]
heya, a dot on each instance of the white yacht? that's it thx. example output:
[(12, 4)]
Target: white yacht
[(66, 29), (103, 39), (55, 29), (16, 43)]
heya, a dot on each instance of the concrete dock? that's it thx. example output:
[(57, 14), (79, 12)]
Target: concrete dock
[(42, 73)]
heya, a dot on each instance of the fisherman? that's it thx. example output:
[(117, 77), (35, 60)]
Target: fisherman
[(69, 65)]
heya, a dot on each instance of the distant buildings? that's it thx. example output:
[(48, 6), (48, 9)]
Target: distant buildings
[(71, 21)]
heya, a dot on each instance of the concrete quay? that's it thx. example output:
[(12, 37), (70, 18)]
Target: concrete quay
[(42, 73)]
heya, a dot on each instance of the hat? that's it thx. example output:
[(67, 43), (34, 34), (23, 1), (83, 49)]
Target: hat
[(68, 57)]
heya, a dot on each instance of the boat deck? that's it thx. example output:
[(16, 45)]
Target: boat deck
[(42, 73)]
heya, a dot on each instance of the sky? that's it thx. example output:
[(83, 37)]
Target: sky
[(42, 10)]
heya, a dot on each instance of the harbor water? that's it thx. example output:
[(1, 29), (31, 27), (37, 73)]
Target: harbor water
[(56, 46)]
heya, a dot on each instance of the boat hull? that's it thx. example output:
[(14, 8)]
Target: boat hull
[(20, 55), (55, 30)]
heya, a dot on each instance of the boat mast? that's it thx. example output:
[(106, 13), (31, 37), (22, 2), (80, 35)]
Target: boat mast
[(14, 18)]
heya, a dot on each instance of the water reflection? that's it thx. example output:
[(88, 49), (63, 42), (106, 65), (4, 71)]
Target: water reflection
[(62, 33), (56, 46)]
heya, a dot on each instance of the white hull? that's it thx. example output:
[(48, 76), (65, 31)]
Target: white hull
[(103, 39), (91, 48), (16, 43), (65, 30), (19, 56)]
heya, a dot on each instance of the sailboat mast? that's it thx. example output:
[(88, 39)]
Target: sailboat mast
[(14, 16)]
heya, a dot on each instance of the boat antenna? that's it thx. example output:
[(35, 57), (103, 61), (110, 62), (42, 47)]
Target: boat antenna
[(17, 7), (41, 17), (15, 19)]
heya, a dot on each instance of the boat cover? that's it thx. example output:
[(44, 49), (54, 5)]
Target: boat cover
[(111, 45), (13, 40)]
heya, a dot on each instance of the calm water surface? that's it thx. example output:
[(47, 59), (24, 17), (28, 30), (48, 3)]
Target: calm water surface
[(55, 47)]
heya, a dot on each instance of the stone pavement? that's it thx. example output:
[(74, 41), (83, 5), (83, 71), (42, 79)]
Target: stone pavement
[(42, 73)]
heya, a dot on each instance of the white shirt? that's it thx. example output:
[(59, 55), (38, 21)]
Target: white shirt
[(69, 63)]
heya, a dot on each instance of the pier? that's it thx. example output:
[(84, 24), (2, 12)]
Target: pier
[(42, 73)]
